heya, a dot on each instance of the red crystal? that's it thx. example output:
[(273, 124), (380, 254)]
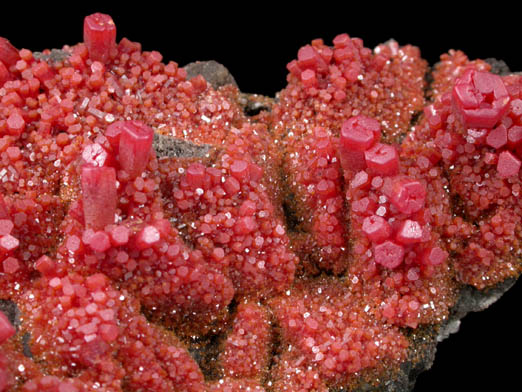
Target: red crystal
[(8, 53), (408, 195), (95, 155), (245, 225), (497, 137), (514, 136), (516, 108), (3, 370), (508, 165), (231, 186), (195, 175), (376, 228), (113, 132), (3, 208), (360, 180), (119, 235), (6, 328), (248, 208), (359, 133), (109, 332), (308, 78), (45, 265), (6, 226), (4, 74), (15, 123), (383, 159), (364, 206), (434, 256), (135, 147), (96, 282), (99, 35), (307, 57), (409, 232), (239, 169), (99, 196), (481, 98), (389, 254), (147, 237), (99, 241), (8, 243), (246, 349), (352, 160), (11, 265)]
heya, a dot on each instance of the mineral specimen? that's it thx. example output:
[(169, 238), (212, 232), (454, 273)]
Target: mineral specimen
[(156, 234)]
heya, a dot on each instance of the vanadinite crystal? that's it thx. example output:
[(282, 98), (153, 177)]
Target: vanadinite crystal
[(153, 237)]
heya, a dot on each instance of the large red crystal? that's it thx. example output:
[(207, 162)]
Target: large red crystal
[(99, 196), (508, 165), (376, 228), (135, 146), (408, 195), (409, 232), (389, 254), (383, 159), (360, 133), (481, 98), (99, 35), (8, 53)]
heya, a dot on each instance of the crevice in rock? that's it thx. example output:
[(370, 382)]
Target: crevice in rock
[(205, 351), (253, 104), (26, 347), (291, 219), (276, 351)]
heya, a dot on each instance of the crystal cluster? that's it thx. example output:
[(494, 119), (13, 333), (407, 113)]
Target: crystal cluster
[(301, 251)]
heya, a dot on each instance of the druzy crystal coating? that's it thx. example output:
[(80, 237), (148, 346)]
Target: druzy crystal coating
[(300, 252)]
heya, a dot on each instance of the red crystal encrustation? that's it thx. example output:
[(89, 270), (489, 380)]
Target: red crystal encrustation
[(95, 229)]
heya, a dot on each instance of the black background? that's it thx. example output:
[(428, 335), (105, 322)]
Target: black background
[(256, 40)]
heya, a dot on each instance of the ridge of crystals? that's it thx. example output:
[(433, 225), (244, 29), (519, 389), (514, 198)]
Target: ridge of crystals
[(123, 264)]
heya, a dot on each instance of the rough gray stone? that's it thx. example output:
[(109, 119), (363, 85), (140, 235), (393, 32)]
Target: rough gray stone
[(11, 310), (473, 300), (55, 56), (26, 345), (166, 146), (213, 72), (498, 67)]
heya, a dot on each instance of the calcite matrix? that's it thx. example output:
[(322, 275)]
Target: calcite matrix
[(153, 237)]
